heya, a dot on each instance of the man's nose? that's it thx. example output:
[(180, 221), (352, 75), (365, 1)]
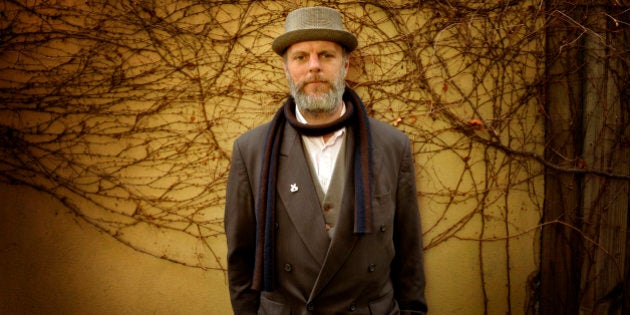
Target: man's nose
[(313, 63)]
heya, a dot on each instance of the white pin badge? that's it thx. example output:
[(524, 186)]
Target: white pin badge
[(294, 188)]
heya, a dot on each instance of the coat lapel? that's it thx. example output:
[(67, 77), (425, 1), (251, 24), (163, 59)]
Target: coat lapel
[(299, 197), (344, 239), (304, 210)]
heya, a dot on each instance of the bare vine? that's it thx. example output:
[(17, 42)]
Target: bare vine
[(125, 111)]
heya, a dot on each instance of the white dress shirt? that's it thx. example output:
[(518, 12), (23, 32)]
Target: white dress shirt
[(323, 155)]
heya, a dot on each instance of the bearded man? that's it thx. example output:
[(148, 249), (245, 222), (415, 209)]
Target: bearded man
[(321, 211)]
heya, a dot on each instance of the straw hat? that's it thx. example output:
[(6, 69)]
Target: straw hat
[(314, 23)]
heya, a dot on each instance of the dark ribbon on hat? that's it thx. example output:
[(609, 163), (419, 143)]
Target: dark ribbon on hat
[(355, 117)]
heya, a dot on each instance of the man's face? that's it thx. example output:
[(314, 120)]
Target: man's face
[(316, 71)]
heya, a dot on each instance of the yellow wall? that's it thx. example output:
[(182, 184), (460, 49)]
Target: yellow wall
[(53, 263), (117, 126)]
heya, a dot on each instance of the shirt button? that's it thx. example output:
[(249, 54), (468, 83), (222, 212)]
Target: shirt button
[(310, 307), (288, 267), (371, 267)]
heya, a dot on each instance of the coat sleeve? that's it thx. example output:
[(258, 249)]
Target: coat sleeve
[(240, 231), (408, 265)]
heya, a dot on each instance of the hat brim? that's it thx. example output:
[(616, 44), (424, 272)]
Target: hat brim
[(343, 38)]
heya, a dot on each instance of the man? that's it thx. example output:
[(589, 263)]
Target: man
[(321, 211)]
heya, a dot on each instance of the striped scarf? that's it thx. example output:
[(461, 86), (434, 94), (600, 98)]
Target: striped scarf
[(355, 118)]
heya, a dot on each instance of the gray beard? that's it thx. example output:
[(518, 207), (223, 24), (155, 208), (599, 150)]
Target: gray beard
[(315, 105)]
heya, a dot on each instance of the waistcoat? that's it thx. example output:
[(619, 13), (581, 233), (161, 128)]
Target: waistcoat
[(330, 202)]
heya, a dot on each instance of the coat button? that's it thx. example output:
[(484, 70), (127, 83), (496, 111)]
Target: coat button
[(371, 267), (276, 225), (310, 307), (288, 267), (352, 308), (383, 228)]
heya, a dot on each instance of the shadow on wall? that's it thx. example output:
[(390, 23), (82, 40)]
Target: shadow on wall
[(51, 263)]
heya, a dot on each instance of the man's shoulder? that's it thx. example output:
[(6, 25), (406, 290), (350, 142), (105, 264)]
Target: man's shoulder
[(386, 132), (256, 134), (380, 131)]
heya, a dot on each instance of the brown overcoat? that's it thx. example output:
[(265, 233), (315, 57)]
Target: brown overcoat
[(377, 273)]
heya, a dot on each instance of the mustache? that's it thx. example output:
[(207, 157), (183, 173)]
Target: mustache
[(313, 79)]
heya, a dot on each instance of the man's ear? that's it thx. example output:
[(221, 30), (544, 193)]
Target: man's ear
[(284, 63), (286, 70), (284, 66)]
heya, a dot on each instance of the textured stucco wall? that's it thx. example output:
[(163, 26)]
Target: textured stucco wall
[(144, 124), (51, 263)]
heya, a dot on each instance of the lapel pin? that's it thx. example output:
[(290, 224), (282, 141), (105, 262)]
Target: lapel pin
[(294, 188)]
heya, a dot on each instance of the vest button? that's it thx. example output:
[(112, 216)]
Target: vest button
[(383, 228), (352, 308), (288, 267), (371, 267), (310, 307)]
